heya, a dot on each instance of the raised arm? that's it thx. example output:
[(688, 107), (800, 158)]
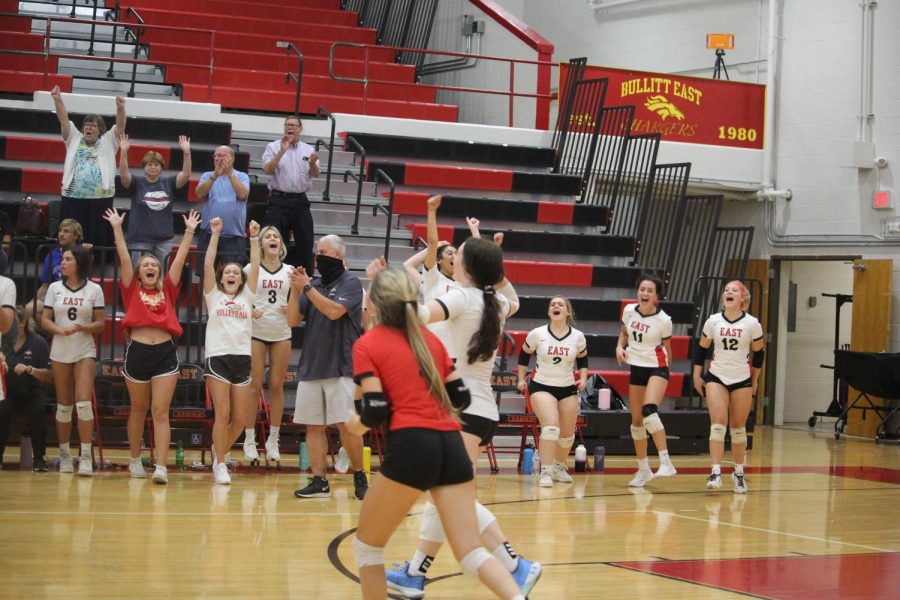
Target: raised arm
[(120, 115), (209, 261), (411, 266), (191, 223), (253, 277), (125, 266), (473, 226), (184, 176), (124, 173), (434, 203), (61, 113)]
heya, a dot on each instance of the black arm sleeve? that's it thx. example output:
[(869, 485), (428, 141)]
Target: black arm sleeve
[(524, 358), (375, 409), (700, 354), (581, 362), (459, 394), (759, 358)]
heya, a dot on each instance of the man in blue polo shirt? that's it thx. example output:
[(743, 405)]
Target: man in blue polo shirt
[(225, 192)]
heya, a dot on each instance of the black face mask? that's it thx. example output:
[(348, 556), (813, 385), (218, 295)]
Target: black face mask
[(329, 268)]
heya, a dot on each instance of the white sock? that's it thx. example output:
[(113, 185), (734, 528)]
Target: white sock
[(64, 448), (643, 464), (419, 564), (664, 456), (505, 554), (274, 430), (250, 436), (738, 469), (717, 469), (85, 449)]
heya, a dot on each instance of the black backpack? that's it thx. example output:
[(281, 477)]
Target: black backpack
[(591, 394)]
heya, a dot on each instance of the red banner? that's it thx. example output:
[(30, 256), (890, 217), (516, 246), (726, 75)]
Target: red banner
[(682, 109)]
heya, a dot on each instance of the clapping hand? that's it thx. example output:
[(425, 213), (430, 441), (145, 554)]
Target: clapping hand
[(299, 279)]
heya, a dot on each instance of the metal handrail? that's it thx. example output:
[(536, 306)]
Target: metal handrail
[(298, 78), (324, 112), (46, 47), (510, 92), (137, 47), (351, 141), (389, 211)]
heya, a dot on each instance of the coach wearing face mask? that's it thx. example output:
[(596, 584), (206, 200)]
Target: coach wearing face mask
[(331, 306)]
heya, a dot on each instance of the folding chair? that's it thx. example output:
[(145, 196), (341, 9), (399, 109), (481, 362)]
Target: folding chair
[(111, 401), (191, 404)]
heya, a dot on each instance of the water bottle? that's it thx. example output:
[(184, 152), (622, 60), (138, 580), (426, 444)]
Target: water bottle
[(603, 399), (367, 461), (580, 459), (26, 453), (304, 457), (536, 464), (179, 456), (599, 456), (528, 460)]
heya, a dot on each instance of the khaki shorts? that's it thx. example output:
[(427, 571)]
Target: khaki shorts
[(324, 401)]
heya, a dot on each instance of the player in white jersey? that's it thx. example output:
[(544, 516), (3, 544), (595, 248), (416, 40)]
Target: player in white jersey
[(73, 313), (645, 344), (272, 336), (736, 339), (559, 349), (474, 312), (436, 259), (229, 300)]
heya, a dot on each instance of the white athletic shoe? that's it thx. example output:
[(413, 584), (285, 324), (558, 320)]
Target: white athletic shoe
[(160, 475), (740, 486), (272, 452), (342, 461), (546, 478), (251, 454), (561, 473), (714, 482), (641, 477), (666, 469), (137, 469), (85, 466), (66, 465), (222, 476)]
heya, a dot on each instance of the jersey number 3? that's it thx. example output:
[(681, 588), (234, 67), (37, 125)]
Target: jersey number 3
[(273, 296)]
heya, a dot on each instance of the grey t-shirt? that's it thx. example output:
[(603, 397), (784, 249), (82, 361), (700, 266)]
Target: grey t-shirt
[(151, 210), (327, 344)]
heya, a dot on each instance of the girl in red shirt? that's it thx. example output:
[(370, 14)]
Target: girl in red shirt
[(151, 360), (407, 378)]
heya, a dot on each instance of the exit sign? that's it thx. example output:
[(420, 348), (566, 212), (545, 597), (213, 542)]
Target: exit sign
[(882, 200)]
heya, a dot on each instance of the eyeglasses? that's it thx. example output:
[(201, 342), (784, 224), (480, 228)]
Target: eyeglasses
[(291, 125)]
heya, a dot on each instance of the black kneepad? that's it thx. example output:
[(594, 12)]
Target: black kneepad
[(459, 394), (649, 409), (375, 409)]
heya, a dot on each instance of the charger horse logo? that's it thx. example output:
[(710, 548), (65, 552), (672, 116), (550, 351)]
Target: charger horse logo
[(661, 106)]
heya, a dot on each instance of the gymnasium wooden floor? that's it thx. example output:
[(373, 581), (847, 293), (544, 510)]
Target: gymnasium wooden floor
[(820, 521)]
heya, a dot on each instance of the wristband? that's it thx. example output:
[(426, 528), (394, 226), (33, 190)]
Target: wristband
[(307, 287), (253, 237), (190, 231)]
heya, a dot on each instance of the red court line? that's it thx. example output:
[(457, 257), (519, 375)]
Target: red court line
[(800, 577)]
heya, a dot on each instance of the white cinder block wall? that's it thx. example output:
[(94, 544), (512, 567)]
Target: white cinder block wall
[(816, 109)]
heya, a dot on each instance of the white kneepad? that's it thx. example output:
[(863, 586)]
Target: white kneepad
[(550, 433), (566, 442), (366, 555), (739, 435), (717, 432), (85, 412), (484, 516), (652, 423), (472, 561), (64, 413), (638, 432), (431, 529)]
